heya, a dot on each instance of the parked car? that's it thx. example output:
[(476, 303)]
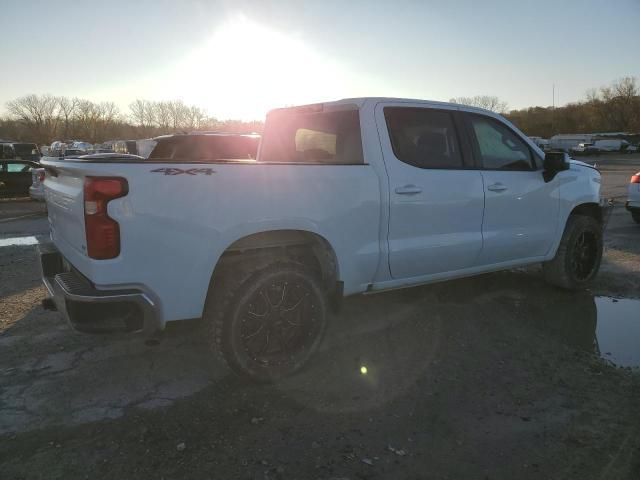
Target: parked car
[(66, 152), (611, 145), (19, 151), (36, 190), (126, 146), (344, 198), (205, 147), (585, 149), (632, 149), (633, 201), (15, 177), (70, 148)]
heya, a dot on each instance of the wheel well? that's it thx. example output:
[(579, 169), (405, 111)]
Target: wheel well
[(301, 246), (589, 210)]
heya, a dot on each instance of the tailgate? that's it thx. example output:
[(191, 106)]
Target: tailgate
[(64, 196)]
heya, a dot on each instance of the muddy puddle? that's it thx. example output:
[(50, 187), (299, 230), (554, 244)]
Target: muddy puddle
[(617, 335), (606, 326)]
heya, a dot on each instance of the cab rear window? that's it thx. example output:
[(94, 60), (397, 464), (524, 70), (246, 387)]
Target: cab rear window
[(318, 138)]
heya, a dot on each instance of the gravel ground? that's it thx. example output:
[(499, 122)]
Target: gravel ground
[(498, 376)]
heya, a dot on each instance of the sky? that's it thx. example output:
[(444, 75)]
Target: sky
[(238, 59)]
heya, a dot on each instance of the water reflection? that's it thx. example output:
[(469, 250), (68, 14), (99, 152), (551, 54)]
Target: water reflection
[(618, 330)]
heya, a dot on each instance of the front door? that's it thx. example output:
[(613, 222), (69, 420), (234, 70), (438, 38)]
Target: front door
[(436, 197), (521, 209)]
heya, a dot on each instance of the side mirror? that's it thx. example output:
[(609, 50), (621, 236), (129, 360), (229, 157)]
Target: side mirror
[(554, 162)]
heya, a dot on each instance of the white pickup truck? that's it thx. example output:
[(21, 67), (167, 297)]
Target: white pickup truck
[(346, 197)]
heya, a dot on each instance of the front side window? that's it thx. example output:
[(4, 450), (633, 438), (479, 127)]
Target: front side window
[(499, 148), (293, 136), (423, 137)]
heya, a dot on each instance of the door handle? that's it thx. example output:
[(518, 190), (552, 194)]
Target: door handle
[(497, 187), (408, 190)]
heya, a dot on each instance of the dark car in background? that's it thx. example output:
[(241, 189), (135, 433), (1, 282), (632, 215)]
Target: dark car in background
[(19, 151), (17, 159), (15, 177)]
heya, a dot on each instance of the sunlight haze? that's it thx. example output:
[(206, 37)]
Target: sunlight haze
[(239, 59)]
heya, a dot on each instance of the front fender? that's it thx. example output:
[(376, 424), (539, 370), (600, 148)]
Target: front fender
[(580, 185)]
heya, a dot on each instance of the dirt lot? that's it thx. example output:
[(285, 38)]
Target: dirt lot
[(498, 376)]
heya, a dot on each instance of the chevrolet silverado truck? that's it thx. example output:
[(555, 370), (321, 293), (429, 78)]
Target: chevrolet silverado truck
[(348, 197)]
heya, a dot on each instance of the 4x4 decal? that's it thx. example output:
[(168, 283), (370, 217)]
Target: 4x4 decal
[(188, 171)]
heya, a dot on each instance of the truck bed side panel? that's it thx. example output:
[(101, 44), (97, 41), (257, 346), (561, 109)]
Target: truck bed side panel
[(174, 226)]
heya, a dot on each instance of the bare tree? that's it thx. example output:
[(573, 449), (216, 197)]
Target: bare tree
[(620, 103), (162, 115), (88, 117), (140, 112), (38, 113), (487, 102), (67, 110), (179, 114), (196, 117)]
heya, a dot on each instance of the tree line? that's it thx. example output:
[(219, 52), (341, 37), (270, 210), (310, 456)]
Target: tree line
[(612, 108), (44, 118)]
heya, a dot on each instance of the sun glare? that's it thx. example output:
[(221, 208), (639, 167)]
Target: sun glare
[(245, 69)]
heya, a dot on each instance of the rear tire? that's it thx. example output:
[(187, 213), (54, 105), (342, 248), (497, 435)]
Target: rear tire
[(266, 319), (578, 258)]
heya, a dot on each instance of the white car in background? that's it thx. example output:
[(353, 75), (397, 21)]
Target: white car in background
[(611, 145), (36, 190), (633, 202)]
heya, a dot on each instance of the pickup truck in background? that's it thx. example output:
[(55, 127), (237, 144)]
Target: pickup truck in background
[(347, 197)]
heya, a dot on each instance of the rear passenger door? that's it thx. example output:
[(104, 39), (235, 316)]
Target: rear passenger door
[(521, 209), (436, 196)]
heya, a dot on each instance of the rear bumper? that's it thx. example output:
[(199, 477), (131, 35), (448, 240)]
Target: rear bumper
[(36, 193), (90, 310)]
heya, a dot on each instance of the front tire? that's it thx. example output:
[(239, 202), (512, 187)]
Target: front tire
[(268, 320), (578, 258)]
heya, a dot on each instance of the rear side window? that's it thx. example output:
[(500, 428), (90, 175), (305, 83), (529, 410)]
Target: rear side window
[(423, 137), (319, 137), (499, 148), (18, 167)]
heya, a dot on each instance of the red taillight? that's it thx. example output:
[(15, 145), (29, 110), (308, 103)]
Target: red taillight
[(103, 232), (635, 178), (41, 177)]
